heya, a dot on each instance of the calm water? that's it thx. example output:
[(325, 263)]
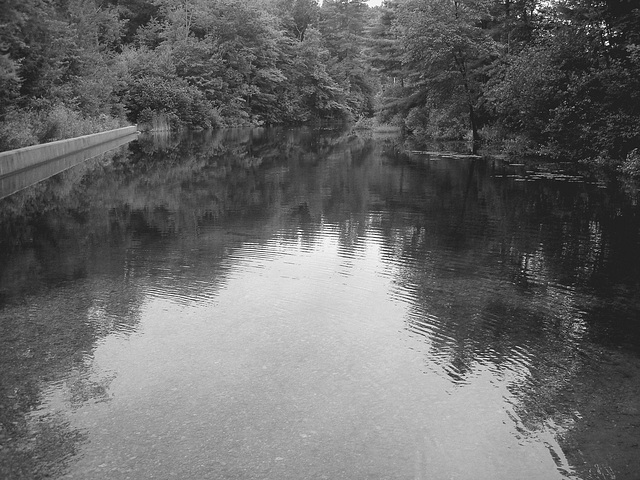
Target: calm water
[(298, 304)]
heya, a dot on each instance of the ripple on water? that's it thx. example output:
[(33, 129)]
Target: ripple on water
[(430, 336)]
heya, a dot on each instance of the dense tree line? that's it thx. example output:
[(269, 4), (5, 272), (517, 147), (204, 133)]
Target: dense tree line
[(74, 64), (559, 78)]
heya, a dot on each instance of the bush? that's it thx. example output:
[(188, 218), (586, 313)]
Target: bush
[(566, 104), (436, 123), (16, 130), (150, 96), (157, 122), (62, 122), (364, 123), (58, 123), (29, 127), (631, 165)]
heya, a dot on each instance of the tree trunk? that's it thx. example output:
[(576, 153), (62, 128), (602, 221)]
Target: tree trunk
[(461, 63), (474, 130)]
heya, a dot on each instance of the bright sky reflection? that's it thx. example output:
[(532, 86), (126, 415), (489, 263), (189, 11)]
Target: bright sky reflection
[(301, 356)]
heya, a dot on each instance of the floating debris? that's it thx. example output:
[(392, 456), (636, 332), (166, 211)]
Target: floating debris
[(446, 154)]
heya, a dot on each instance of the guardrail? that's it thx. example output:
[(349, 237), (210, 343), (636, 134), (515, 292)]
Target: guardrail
[(15, 160), (27, 166)]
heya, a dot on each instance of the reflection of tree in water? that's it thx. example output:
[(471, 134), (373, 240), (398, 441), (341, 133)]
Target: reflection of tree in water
[(43, 450), (501, 274), (63, 234), (48, 340), (511, 278), (235, 175)]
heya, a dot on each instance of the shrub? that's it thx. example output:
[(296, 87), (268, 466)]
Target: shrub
[(364, 123), (16, 130), (29, 127), (150, 96), (436, 123), (62, 122), (631, 165)]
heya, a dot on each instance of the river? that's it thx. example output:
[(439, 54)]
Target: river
[(317, 304)]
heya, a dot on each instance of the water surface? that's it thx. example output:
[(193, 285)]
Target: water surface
[(288, 304)]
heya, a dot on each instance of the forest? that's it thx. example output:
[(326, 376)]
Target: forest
[(552, 78)]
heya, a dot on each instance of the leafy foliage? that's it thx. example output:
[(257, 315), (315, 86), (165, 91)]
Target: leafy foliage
[(556, 78), (197, 63)]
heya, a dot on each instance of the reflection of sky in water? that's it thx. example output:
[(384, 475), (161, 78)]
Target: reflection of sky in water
[(329, 311), (300, 364)]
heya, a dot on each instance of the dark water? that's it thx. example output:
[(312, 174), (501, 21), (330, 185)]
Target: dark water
[(295, 304)]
